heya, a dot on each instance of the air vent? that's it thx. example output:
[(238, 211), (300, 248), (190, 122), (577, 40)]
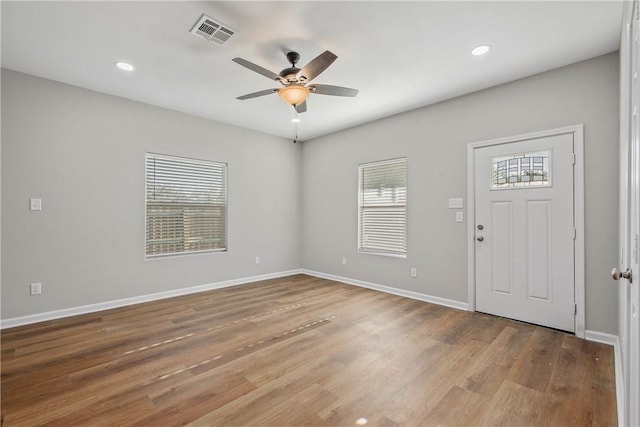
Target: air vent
[(212, 30)]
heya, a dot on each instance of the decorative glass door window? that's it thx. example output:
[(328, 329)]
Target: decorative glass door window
[(521, 170)]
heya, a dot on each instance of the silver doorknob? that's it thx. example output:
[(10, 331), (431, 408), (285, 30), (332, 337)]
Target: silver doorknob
[(617, 274), (479, 238)]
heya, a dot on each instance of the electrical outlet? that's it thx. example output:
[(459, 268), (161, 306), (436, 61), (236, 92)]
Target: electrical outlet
[(344, 261), (459, 216), (257, 260), (36, 288), (414, 272)]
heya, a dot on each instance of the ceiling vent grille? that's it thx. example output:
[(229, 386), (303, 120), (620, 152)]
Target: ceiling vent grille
[(212, 30)]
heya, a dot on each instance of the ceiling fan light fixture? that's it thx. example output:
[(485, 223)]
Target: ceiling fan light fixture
[(293, 94)]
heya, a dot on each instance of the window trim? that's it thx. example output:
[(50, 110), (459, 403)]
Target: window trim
[(225, 166), (360, 248)]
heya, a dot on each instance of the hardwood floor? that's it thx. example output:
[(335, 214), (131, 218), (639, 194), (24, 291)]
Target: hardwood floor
[(301, 351)]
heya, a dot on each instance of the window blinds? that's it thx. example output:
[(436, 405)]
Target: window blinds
[(186, 205), (382, 207)]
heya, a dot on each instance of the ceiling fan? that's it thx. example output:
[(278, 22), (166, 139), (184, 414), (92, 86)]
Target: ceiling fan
[(295, 81)]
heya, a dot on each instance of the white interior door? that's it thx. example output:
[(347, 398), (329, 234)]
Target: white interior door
[(634, 297), (633, 379), (629, 326), (524, 219)]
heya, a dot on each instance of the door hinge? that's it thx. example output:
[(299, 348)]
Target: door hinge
[(575, 309), (574, 234), (573, 158)]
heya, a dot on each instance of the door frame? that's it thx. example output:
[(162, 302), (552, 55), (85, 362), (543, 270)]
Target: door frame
[(578, 214)]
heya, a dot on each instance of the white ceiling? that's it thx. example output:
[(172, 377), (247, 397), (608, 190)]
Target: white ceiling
[(400, 55)]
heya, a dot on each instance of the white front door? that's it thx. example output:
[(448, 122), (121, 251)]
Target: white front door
[(524, 230)]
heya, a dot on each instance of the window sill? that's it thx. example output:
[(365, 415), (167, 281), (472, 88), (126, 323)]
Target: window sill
[(360, 251)]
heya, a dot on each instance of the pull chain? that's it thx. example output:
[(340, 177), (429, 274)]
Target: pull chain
[(295, 121)]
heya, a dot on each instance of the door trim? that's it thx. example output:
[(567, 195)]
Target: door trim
[(578, 214)]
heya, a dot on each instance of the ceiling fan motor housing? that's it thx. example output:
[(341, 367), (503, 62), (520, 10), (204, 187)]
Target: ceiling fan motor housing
[(290, 74)]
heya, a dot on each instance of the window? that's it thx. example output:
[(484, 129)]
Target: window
[(186, 205), (382, 207), (522, 170)]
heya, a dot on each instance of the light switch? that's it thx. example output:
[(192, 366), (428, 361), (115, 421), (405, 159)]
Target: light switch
[(36, 204), (459, 216), (456, 203)]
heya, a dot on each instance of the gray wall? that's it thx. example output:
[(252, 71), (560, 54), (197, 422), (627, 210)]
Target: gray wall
[(82, 152), (435, 141)]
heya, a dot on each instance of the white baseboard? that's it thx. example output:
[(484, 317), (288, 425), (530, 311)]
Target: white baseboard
[(620, 397), (395, 291), (92, 308), (601, 337), (613, 340)]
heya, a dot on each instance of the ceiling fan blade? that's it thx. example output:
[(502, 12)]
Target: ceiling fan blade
[(333, 90), (316, 66), (258, 69), (301, 108), (257, 94)]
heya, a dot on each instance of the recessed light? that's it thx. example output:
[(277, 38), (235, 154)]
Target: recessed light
[(481, 50), (124, 66), (295, 120)]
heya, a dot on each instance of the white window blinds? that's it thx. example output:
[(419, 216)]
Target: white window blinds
[(186, 205), (382, 207)]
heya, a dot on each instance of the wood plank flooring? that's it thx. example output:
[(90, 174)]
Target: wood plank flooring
[(301, 351)]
